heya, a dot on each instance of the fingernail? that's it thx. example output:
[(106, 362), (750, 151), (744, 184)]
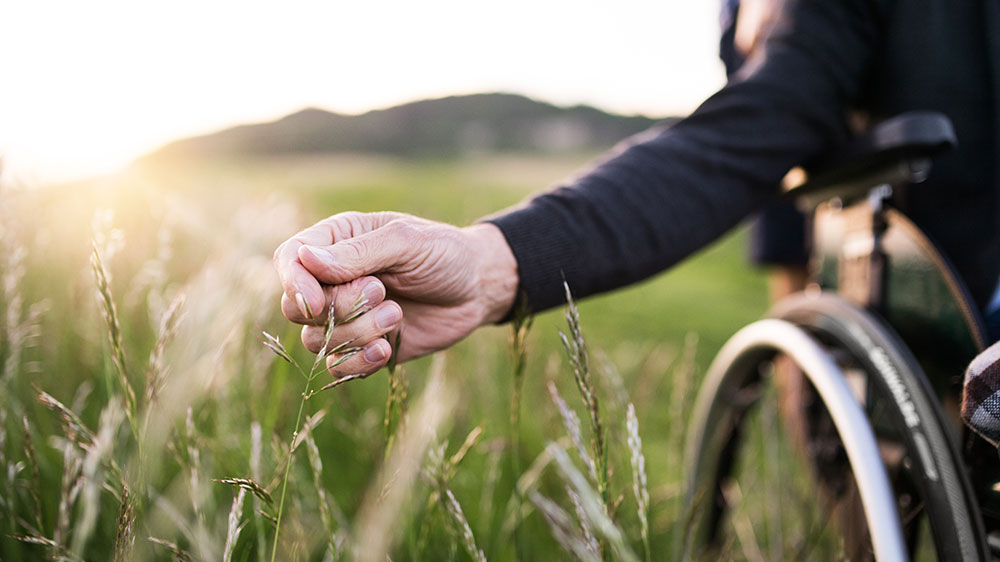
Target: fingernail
[(319, 253), (373, 293), (374, 353), (303, 307), (387, 316)]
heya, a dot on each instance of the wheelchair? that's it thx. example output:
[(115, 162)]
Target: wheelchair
[(831, 429)]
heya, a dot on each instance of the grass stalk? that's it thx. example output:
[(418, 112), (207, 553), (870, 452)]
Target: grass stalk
[(461, 526), (114, 336), (5, 487), (68, 492), (276, 346), (395, 404), (12, 278), (125, 532), (178, 553), (288, 465), (326, 514), (520, 326), (235, 526), (376, 528), (194, 462), (156, 370), (576, 349), (438, 475), (255, 473), (593, 507), (572, 425), (93, 474), (581, 515), (488, 490), (36, 480), (562, 528), (579, 359), (640, 486)]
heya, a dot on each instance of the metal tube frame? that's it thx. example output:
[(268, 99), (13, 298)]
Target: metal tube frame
[(739, 360)]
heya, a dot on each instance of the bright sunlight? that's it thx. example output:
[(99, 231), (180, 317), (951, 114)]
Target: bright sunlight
[(90, 86)]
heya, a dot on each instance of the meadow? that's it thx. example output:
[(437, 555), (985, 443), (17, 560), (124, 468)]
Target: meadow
[(145, 415)]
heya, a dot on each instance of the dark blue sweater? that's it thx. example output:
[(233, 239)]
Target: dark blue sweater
[(665, 194)]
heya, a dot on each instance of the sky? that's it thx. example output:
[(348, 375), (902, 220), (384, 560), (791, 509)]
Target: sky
[(85, 87)]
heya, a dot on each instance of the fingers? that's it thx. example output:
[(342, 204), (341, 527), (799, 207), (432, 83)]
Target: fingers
[(300, 286), (358, 332), (303, 296), (382, 249), (301, 289), (359, 348), (364, 362), (366, 292)]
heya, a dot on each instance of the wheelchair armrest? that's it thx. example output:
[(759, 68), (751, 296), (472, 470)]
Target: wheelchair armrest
[(896, 150)]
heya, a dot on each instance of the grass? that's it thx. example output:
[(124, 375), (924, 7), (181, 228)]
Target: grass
[(162, 429)]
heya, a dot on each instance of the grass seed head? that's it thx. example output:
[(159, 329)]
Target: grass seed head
[(179, 554), (640, 487), (104, 296), (572, 424), (461, 526), (235, 526), (125, 532), (73, 427), (249, 485), (562, 528), (275, 345)]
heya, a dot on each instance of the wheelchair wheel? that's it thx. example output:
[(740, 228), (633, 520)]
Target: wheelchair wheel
[(787, 481)]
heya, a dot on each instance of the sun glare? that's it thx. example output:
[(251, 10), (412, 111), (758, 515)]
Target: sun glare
[(90, 86)]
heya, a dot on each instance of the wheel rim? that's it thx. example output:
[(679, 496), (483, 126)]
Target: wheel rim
[(716, 423)]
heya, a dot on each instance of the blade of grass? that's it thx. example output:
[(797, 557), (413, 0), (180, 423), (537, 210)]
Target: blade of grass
[(520, 327), (640, 486)]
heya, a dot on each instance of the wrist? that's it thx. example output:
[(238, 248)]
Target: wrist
[(496, 271)]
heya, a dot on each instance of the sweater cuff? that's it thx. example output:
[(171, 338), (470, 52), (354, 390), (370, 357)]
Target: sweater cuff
[(543, 252)]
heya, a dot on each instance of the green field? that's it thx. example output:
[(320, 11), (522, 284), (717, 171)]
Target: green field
[(225, 406)]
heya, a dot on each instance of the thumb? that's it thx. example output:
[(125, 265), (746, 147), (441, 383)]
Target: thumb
[(367, 254)]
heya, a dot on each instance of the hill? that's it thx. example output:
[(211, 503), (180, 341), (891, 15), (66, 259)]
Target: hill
[(440, 127)]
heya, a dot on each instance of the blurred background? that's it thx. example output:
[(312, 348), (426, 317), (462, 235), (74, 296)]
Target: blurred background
[(91, 87), (168, 148)]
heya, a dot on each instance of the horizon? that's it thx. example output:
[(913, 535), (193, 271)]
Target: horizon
[(168, 142), (104, 83)]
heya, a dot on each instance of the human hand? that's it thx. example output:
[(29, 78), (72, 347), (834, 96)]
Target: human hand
[(439, 280)]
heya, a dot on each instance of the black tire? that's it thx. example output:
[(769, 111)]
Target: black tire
[(908, 414), (933, 494)]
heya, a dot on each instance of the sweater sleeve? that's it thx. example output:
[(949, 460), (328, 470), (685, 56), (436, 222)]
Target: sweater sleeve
[(662, 197)]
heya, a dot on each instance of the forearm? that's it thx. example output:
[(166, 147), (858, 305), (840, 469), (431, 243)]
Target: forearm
[(659, 200), (628, 219)]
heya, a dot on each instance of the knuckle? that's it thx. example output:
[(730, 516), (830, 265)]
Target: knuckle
[(347, 216), (401, 228), (346, 224), (353, 250)]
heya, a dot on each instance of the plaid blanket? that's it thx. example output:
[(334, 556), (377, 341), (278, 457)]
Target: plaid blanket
[(981, 398)]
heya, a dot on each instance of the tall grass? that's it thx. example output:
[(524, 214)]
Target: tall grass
[(150, 423), (520, 327), (396, 401), (343, 353)]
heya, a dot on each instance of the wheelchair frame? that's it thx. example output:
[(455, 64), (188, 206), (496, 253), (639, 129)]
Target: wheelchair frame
[(810, 329)]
